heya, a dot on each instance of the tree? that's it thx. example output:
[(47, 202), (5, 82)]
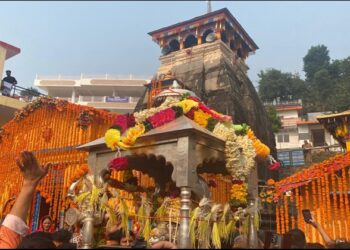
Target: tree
[(274, 118), (275, 84), (30, 92), (316, 59)]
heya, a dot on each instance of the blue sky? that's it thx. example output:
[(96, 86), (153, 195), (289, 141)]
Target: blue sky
[(99, 37)]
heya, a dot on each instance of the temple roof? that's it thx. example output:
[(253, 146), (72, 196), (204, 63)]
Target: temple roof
[(345, 113), (203, 19), (172, 129)]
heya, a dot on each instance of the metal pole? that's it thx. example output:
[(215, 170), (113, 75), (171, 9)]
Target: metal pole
[(252, 230), (88, 232), (184, 231)]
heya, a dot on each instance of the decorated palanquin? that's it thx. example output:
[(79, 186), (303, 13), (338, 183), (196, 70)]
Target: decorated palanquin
[(177, 111), (324, 189)]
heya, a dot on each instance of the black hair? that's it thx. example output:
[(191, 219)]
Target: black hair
[(297, 238), (116, 236), (39, 235), (38, 240), (67, 245), (62, 235)]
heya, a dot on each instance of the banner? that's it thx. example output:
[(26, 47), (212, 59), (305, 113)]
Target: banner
[(117, 99)]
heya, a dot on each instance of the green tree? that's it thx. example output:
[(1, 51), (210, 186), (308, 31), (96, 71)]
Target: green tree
[(30, 92), (317, 58), (274, 118), (275, 84)]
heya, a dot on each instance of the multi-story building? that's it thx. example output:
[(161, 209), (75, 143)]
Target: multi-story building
[(111, 92), (295, 130)]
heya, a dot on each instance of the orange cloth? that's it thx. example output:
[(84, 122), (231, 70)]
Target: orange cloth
[(8, 238), (11, 231)]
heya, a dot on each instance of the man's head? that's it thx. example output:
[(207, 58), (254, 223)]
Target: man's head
[(297, 238), (61, 236), (305, 141), (8, 72), (39, 240)]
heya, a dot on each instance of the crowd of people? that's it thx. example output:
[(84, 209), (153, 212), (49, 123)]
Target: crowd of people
[(14, 233)]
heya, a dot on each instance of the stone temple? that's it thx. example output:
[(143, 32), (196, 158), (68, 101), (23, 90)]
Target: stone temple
[(207, 55)]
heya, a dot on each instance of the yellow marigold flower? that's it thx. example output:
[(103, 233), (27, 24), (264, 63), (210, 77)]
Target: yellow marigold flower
[(187, 105), (270, 182), (201, 118), (269, 199), (133, 133), (112, 138)]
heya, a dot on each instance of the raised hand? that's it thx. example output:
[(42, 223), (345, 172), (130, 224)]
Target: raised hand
[(30, 168)]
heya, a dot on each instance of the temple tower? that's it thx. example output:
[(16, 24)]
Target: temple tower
[(207, 55)]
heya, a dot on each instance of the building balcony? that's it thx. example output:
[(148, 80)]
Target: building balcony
[(112, 103), (87, 85)]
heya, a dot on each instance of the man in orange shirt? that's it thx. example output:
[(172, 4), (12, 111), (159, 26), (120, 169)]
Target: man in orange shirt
[(14, 227)]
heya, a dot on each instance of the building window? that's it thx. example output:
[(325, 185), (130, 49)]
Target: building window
[(304, 136), (283, 138), (190, 41)]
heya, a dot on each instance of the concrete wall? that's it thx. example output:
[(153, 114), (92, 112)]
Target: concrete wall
[(2, 60), (288, 113), (293, 140), (8, 106)]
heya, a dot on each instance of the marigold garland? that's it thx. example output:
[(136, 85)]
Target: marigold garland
[(240, 151), (239, 194), (323, 189)]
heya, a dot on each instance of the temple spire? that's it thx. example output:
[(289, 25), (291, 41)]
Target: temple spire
[(208, 6)]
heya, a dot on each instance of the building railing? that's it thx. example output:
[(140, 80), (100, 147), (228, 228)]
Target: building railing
[(86, 76), (17, 93), (295, 157), (283, 103), (107, 99)]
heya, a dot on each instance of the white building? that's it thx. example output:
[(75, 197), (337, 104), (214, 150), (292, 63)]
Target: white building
[(295, 129), (116, 93)]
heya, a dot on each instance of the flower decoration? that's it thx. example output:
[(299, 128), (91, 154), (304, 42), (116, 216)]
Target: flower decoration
[(201, 118), (85, 119), (268, 194), (262, 151), (112, 137), (122, 122), (118, 164), (162, 117), (241, 146), (212, 183), (270, 182), (239, 194), (57, 104), (187, 105), (47, 134)]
